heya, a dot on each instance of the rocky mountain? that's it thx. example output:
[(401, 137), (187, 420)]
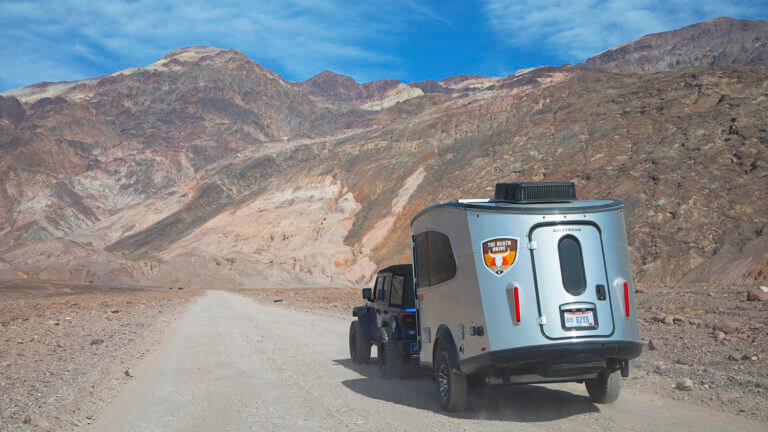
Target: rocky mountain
[(206, 169), (341, 88), (718, 42), (98, 146)]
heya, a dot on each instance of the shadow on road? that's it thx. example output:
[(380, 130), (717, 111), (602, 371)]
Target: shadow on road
[(522, 403)]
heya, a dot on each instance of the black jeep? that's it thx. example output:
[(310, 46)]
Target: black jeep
[(388, 320)]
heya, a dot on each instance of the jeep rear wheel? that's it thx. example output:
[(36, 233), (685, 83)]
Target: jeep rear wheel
[(391, 362), (451, 384), (605, 388), (359, 347)]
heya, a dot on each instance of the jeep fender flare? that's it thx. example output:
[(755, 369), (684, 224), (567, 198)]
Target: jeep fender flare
[(445, 339), (361, 312)]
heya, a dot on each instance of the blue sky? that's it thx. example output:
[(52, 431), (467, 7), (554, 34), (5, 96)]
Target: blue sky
[(404, 39)]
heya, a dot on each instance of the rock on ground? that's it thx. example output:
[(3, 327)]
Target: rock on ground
[(38, 422), (757, 294), (727, 326), (684, 385)]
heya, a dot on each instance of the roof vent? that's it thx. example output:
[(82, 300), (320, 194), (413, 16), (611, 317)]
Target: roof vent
[(535, 192)]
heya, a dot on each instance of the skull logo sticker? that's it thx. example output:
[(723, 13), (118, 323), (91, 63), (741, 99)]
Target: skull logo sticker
[(499, 254)]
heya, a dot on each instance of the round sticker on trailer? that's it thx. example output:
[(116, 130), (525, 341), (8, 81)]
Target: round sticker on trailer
[(499, 254)]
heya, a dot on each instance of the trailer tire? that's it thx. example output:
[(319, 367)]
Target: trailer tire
[(451, 384), (605, 388), (359, 346), (391, 362)]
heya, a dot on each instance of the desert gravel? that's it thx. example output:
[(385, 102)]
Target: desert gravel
[(62, 356)]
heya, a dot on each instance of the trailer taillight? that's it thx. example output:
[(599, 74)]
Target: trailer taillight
[(409, 319), (626, 298), (517, 306)]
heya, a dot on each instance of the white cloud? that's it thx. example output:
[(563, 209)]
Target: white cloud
[(576, 30), (75, 39)]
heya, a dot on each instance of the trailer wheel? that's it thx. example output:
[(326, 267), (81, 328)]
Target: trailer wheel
[(391, 362), (359, 347), (605, 388), (451, 385)]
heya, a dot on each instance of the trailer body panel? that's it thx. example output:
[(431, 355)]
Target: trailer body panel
[(510, 282)]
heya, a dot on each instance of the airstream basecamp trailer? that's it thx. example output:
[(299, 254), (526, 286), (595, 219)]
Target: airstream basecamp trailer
[(530, 287)]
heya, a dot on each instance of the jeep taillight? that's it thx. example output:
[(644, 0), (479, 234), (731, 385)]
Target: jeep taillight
[(409, 319)]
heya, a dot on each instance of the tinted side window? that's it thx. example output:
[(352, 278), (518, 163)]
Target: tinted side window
[(383, 288), (377, 287), (396, 292), (442, 264), (435, 262), (408, 293), (572, 265)]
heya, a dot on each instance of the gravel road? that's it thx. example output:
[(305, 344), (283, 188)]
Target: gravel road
[(231, 364)]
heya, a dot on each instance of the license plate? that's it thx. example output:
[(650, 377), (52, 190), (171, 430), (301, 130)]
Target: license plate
[(414, 348), (579, 319)]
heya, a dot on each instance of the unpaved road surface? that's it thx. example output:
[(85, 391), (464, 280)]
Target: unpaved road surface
[(231, 364)]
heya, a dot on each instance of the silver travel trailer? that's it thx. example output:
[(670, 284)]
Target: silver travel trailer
[(530, 287)]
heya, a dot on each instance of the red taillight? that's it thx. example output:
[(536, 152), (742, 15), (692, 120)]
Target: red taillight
[(409, 320), (517, 306), (626, 299)]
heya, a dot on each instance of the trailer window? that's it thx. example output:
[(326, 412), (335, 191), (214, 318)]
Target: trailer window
[(572, 265), (435, 262)]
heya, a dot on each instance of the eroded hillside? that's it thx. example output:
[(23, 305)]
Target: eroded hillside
[(207, 170)]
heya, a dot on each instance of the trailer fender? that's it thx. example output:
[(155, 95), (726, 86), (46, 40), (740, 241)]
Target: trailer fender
[(446, 340), (367, 320)]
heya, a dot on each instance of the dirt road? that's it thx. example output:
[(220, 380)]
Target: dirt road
[(231, 364)]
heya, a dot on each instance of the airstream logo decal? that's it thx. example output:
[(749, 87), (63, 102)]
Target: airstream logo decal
[(499, 254)]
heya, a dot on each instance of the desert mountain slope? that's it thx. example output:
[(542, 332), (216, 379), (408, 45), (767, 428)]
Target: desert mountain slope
[(335, 215), (105, 144), (718, 42), (206, 169)]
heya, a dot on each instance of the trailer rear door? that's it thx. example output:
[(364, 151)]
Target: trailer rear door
[(571, 283)]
